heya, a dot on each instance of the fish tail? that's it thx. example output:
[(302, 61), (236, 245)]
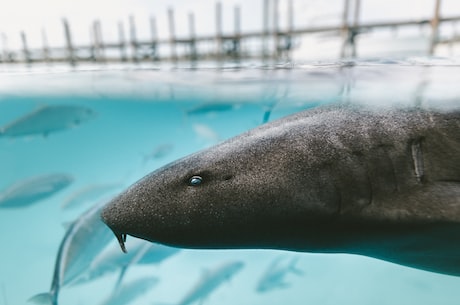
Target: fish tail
[(45, 298), (293, 268), (121, 276)]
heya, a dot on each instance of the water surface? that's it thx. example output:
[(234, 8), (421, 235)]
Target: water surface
[(146, 117)]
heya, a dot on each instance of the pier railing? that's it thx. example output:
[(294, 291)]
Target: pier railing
[(274, 43)]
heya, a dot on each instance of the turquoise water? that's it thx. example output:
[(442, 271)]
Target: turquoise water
[(144, 118)]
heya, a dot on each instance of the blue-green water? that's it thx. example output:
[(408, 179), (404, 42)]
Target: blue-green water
[(146, 118)]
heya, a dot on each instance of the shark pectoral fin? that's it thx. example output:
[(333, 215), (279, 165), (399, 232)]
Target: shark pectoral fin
[(446, 196), (436, 201), (429, 239), (437, 263), (45, 298)]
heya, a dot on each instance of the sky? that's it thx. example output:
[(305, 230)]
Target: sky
[(33, 16)]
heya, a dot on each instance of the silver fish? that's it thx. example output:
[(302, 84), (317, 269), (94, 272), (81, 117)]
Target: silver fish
[(127, 293), (211, 280), (112, 259), (158, 152), (210, 108), (274, 276), (47, 119), (83, 240), (26, 192)]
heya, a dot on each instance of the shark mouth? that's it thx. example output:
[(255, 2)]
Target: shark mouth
[(121, 237)]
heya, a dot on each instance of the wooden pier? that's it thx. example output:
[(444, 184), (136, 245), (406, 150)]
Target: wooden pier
[(275, 43)]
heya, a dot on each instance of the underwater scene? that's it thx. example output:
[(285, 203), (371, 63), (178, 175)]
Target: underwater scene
[(73, 138)]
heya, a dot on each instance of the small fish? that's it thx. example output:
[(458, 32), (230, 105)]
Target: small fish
[(26, 192), (159, 152), (112, 259), (86, 194), (211, 280), (47, 119), (127, 293), (84, 239), (205, 132), (274, 276), (210, 108)]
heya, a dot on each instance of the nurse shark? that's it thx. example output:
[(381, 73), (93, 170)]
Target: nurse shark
[(383, 183)]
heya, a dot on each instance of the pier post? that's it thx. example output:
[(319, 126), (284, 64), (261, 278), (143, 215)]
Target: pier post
[(290, 22), (121, 37), (345, 28), (154, 35), (46, 49), (349, 32), (355, 30), (94, 42), (25, 49), (191, 26), (435, 27), (236, 44), (68, 37), (98, 42), (218, 30), (6, 56), (276, 28), (265, 29), (172, 34), (133, 39)]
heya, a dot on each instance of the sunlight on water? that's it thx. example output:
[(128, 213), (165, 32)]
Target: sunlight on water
[(140, 119)]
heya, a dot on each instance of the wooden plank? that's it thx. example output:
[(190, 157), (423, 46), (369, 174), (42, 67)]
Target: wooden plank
[(310, 30)]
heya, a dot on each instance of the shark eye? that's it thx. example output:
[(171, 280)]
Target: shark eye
[(195, 181)]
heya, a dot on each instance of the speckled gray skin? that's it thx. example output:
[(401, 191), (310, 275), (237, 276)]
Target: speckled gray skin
[(382, 183)]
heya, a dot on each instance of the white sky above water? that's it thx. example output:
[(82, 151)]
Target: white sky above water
[(33, 16)]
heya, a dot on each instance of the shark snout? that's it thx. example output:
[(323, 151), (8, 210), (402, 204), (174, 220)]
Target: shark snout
[(112, 219)]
